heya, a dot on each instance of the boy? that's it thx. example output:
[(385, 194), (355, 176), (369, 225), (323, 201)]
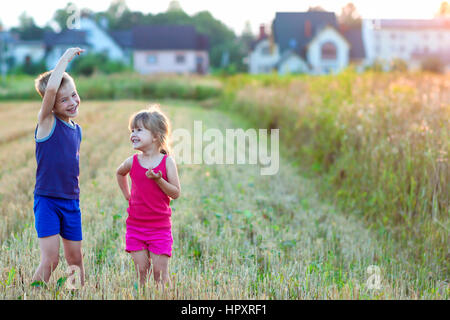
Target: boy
[(56, 194)]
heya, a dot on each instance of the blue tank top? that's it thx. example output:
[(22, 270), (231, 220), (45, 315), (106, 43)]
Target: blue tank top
[(57, 157)]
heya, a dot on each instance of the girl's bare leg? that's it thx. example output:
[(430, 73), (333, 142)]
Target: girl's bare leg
[(142, 264), (160, 268), (49, 258)]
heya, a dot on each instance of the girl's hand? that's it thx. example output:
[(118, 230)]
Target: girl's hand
[(152, 175), (72, 52)]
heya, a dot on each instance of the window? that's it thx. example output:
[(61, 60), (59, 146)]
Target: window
[(180, 58), (265, 50), (328, 51), (292, 43), (151, 59)]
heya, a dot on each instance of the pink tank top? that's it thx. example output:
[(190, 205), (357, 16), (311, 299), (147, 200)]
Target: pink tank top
[(148, 205)]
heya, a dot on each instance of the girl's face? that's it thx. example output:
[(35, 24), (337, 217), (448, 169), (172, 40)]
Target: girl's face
[(67, 102), (142, 138)]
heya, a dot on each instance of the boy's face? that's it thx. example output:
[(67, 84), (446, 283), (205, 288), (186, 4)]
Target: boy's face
[(67, 101)]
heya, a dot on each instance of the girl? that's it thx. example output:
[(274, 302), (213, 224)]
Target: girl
[(154, 181)]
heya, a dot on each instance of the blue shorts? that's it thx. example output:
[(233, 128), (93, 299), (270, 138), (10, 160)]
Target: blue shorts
[(57, 216)]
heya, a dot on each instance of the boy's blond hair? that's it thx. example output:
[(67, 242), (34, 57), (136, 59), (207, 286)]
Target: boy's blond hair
[(154, 120), (40, 83)]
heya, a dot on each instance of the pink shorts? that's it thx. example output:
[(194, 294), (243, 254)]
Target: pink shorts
[(156, 240)]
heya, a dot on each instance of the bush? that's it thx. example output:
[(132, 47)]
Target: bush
[(432, 64), (31, 68), (122, 86), (376, 66), (378, 141), (91, 63), (398, 64)]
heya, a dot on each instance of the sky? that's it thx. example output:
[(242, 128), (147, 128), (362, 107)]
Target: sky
[(234, 13)]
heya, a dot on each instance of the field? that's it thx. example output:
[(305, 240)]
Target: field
[(378, 142), (237, 234)]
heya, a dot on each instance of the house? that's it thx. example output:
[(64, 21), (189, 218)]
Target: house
[(412, 40), (6, 40), (264, 54), (125, 41), (305, 42), (90, 36), (149, 48), (357, 50), (57, 43), (16, 52), (169, 49)]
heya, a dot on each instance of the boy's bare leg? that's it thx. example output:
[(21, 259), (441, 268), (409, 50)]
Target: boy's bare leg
[(49, 258), (142, 264), (74, 256), (160, 268)]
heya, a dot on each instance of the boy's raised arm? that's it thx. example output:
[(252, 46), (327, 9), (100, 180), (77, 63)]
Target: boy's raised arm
[(53, 83)]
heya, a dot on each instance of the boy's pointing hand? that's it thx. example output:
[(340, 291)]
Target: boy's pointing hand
[(72, 52)]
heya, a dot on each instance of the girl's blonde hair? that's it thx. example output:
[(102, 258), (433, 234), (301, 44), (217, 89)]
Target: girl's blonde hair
[(154, 120)]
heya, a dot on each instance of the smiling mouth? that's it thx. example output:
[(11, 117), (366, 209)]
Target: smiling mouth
[(73, 110)]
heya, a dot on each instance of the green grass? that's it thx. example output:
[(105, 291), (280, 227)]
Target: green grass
[(237, 234), (121, 86), (378, 143)]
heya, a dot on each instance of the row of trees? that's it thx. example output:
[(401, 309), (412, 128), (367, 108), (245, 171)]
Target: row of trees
[(227, 49)]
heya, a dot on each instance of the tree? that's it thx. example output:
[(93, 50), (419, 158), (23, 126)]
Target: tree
[(349, 17), (316, 8), (174, 5), (119, 16), (62, 15), (444, 10), (27, 29), (247, 36), (221, 38)]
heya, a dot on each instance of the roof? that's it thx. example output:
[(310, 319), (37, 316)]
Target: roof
[(354, 37), (254, 43), (289, 28), (8, 37), (123, 37), (438, 23), (65, 37), (286, 55), (168, 37)]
